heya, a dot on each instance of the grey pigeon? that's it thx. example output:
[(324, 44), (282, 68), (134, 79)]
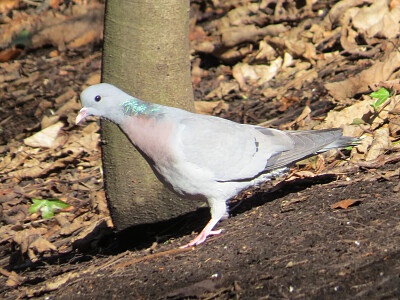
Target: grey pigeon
[(204, 157)]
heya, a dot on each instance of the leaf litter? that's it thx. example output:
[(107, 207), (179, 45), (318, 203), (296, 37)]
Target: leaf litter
[(288, 66)]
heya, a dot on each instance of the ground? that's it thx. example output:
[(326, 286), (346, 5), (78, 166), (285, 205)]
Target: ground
[(330, 229), (285, 244)]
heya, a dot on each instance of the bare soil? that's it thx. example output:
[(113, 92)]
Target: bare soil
[(268, 249)]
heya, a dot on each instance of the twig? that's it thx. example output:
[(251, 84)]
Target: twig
[(151, 256), (376, 113), (32, 3), (4, 272)]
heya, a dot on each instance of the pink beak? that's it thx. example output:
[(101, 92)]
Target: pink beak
[(81, 115)]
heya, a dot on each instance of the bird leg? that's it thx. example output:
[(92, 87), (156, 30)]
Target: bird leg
[(218, 210), (203, 234)]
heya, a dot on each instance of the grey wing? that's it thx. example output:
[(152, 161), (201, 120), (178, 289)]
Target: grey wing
[(306, 143), (229, 150)]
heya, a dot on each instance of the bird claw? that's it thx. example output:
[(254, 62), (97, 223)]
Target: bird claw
[(201, 238)]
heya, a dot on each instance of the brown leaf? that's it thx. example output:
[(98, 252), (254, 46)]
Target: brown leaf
[(31, 242), (380, 71), (93, 78), (394, 120), (346, 203), (393, 85), (376, 20), (88, 37), (34, 168), (8, 163), (300, 174), (255, 74), (209, 107), (223, 89), (380, 144), (197, 34), (14, 279), (6, 5), (38, 246), (9, 54), (45, 138), (55, 3), (10, 71), (286, 102), (233, 36), (61, 31), (59, 281)]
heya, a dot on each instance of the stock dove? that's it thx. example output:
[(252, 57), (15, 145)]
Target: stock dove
[(204, 157)]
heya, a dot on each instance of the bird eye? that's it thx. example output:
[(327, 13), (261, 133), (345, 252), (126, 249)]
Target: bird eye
[(97, 98)]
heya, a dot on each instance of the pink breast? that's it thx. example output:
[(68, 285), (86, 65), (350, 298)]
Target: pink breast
[(152, 136)]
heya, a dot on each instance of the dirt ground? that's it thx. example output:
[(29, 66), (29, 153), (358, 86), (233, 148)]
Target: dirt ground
[(267, 250), (287, 239), (284, 244)]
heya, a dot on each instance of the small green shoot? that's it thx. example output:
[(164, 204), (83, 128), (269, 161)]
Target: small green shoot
[(47, 207), (357, 121), (382, 95), (22, 38)]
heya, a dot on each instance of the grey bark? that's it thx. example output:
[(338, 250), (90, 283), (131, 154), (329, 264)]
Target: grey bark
[(146, 54)]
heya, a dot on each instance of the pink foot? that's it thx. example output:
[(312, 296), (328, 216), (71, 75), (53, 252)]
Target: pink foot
[(218, 210), (201, 237)]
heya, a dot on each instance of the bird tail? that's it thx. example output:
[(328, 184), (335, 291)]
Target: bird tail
[(310, 142), (343, 142)]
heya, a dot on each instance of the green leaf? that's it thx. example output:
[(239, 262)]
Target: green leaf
[(47, 212), (22, 38), (58, 204), (382, 95), (357, 121), (47, 207), (35, 206)]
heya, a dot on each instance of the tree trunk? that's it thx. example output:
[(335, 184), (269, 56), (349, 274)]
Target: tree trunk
[(146, 54)]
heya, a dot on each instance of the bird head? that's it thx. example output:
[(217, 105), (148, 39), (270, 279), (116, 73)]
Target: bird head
[(102, 100)]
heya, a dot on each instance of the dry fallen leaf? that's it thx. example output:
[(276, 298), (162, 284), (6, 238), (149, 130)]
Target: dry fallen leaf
[(9, 54), (45, 138), (394, 120), (209, 107), (345, 203), (31, 242), (380, 144), (53, 284), (66, 32), (380, 71), (6, 5), (377, 20), (59, 281), (346, 116), (300, 174), (14, 279), (93, 78), (10, 71), (233, 36), (259, 74), (223, 89)]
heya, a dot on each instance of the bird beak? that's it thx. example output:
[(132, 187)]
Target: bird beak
[(81, 115)]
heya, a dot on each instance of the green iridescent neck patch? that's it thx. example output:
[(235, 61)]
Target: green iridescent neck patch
[(136, 107)]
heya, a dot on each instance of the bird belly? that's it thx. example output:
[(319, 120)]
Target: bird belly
[(192, 182)]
